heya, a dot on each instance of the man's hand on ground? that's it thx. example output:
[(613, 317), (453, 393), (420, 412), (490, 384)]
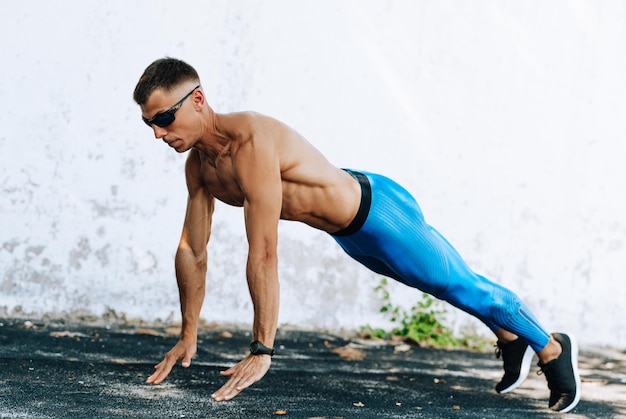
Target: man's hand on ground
[(242, 376), (183, 350)]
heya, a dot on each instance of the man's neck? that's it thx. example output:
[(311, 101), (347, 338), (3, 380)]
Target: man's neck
[(213, 141)]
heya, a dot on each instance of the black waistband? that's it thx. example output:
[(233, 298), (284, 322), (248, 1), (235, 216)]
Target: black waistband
[(364, 207)]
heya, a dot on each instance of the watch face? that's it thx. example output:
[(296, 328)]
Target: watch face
[(257, 348)]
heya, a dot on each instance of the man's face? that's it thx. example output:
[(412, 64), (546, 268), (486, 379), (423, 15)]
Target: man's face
[(173, 115)]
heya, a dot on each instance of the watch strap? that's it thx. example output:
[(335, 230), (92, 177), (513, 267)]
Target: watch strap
[(257, 348)]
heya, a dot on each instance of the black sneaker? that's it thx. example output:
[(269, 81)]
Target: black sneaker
[(516, 356), (562, 375)]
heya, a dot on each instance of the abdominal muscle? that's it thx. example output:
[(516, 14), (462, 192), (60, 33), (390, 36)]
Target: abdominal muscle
[(327, 199), (327, 206)]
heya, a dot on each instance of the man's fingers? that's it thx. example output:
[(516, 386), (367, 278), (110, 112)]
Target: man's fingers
[(229, 390), (162, 371), (158, 377), (183, 351), (186, 362), (233, 387), (242, 375)]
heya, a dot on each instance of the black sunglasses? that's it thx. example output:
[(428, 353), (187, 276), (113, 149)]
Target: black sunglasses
[(163, 119)]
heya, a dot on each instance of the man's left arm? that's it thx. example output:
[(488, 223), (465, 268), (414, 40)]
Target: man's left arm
[(257, 168)]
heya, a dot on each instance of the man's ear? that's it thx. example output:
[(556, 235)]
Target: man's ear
[(198, 99)]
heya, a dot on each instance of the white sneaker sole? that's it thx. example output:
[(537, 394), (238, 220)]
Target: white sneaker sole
[(523, 372)]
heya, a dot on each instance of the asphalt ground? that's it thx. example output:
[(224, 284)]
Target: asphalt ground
[(58, 369)]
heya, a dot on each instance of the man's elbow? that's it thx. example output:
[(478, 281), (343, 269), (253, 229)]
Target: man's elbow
[(263, 260)]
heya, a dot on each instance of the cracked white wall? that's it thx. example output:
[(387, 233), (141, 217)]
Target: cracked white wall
[(505, 119)]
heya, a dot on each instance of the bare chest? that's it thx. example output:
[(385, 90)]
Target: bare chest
[(219, 178)]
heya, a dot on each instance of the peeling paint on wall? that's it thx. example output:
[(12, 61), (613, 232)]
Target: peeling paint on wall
[(505, 123)]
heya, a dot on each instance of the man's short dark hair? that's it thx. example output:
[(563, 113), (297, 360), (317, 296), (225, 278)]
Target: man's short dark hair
[(165, 73)]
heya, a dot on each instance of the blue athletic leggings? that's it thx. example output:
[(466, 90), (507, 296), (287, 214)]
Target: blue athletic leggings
[(390, 236)]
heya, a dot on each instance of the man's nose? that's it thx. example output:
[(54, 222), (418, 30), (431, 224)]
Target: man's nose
[(159, 132)]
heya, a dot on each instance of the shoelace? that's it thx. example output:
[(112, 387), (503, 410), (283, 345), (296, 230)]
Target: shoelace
[(498, 350)]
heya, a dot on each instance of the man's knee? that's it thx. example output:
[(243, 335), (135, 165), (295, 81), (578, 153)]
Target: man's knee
[(505, 304), (480, 297)]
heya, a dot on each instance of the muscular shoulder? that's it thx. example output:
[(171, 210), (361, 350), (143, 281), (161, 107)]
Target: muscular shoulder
[(252, 133), (243, 126)]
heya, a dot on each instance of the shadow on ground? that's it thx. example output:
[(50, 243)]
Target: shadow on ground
[(57, 369)]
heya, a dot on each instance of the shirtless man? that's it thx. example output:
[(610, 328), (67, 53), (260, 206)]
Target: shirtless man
[(258, 163)]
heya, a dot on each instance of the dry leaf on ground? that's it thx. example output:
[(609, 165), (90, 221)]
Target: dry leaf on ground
[(349, 353), (150, 332)]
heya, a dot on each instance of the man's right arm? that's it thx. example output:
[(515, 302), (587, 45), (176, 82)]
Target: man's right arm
[(191, 268)]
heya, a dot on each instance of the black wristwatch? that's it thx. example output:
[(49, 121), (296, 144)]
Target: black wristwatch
[(257, 348)]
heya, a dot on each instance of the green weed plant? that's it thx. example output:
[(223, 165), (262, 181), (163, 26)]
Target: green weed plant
[(421, 325)]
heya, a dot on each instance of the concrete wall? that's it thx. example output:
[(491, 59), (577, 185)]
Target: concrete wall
[(505, 119)]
